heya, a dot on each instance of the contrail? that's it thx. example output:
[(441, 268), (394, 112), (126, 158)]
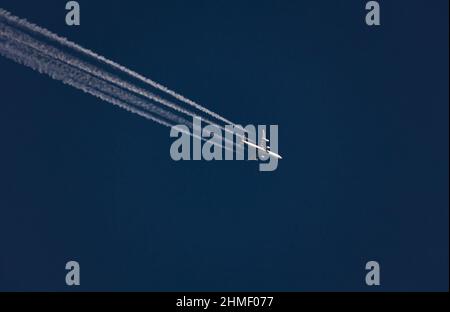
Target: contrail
[(18, 36), (63, 71), (74, 79), (44, 58), (63, 41), (80, 80)]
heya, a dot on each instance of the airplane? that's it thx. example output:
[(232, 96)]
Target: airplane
[(262, 145)]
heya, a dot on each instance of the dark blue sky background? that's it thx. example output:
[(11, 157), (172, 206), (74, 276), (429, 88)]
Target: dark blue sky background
[(363, 123)]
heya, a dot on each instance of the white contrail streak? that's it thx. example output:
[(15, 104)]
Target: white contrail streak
[(17, 35), (46, 59), (56, 73), (63, 41), (41, 46), (82, 81)]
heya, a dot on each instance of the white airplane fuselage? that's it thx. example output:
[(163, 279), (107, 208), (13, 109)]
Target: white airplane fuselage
[(265, 150)]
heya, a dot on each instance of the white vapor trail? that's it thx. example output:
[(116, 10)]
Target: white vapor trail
[(85, 82), (41, 46), (74, 79), (63, 41), (38, 54)]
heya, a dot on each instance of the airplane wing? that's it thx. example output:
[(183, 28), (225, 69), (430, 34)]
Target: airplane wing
[(263, 141), (270, 153), (253, 145), (262, 146)]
